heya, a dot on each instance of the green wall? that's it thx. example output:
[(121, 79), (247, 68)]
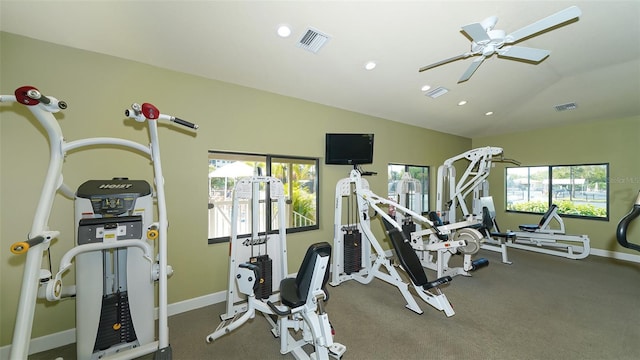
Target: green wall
[(98, 88), (612, 141)]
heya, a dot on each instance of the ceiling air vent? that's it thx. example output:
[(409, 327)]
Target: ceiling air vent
[(439, 91), (565, 107), (312, 40)]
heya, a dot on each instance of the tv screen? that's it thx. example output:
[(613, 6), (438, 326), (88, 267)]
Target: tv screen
[(348, 149)]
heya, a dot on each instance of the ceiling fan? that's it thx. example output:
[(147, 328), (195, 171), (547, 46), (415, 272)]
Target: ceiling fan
[(486, 41)]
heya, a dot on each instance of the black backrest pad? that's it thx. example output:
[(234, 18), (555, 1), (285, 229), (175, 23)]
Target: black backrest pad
[(305, 273), (547, 214), (406, 255), (487, 222)]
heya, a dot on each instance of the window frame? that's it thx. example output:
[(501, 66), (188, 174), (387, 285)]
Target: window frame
[(268, 161), (549, 189)]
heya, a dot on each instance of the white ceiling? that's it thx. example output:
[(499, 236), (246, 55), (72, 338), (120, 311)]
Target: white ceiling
[(594, 62)]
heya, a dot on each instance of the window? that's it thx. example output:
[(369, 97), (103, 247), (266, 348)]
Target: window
[(299, 176), (577, 190), (418, 173)]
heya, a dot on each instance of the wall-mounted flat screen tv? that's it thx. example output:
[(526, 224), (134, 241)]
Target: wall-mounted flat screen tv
[(348, 149)]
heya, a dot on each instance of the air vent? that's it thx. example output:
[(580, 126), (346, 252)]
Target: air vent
[(565, 107), (439, 91), (312, 40)]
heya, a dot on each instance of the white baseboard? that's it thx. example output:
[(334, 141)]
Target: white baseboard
[(616, 255), (66, 337), (45, 343)]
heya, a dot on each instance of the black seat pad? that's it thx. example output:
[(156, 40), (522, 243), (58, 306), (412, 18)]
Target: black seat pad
[(294, 291)]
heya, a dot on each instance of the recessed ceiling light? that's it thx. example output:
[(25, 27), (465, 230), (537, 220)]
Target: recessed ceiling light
[(370, 65), (489, 113), (425, 88), (462, 102), (284, 31)]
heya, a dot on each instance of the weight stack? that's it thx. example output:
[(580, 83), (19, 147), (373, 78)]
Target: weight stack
[(352, 251), (115, 325), (265, 287)]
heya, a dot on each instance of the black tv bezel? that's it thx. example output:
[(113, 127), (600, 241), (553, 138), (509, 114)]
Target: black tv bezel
[(332, 160)]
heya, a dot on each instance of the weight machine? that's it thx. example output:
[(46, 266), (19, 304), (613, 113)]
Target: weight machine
[(546, 239), (452, 193), (116, 264), (540, 238), (408, 195), (353, 258), (255, 284)]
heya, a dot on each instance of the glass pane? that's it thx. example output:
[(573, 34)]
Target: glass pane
[(225, 170), (580, 190), (527, 189), (421, 173), (299, 177), (395, 173), (415, 199)]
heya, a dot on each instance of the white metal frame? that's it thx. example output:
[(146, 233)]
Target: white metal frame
[(357, 187), (452, 192), (40, 237), (552, 241), (241, 249), (242, 303), (407, 192)]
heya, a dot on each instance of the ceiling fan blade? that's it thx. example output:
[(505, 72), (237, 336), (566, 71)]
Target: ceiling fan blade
[(524, 53), (544, 24), (477, 32), (431, 66), (471, 69)]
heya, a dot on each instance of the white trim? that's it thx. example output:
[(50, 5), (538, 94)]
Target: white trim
[(197, 303), (45, 343), (616, 255)]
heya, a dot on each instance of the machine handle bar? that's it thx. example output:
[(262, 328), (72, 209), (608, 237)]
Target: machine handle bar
[(621, 232), (148, 111), (30, 96), (184, 123), (21, 247)]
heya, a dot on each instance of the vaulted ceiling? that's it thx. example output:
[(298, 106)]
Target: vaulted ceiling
[(594, 61)]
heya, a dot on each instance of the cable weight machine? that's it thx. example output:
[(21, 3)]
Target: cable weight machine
[(358, 255), (116, 264)]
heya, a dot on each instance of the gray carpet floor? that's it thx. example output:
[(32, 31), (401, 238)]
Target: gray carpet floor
[(540, 307)]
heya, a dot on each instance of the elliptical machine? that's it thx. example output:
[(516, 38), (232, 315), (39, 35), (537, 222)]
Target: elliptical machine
[(115, 234)]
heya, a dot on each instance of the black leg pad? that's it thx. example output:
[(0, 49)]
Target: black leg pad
[(443, 280)]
